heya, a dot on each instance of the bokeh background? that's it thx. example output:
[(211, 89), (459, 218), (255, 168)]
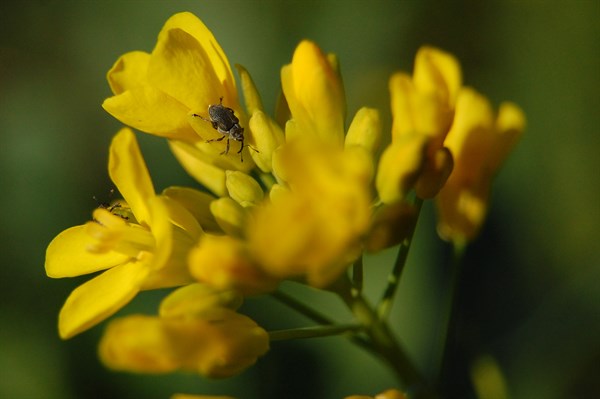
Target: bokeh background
[(529, 296)]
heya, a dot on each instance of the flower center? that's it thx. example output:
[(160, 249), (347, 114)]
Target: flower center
[(113, 233)]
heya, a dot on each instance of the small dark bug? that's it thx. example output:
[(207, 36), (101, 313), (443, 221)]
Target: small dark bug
[(114, 208), (224, 121)]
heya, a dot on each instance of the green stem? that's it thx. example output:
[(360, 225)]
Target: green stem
[(312, 314), (357, 275), (302, 308), (449, 315), (383, 341), (385, 303), (313, 332)]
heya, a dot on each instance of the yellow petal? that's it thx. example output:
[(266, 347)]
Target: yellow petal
[(99, 298), (181, 68), (391, 394), (67, 255), (470, 133), (399, 166), (129, 71), (436, 171), (224, 263), (310, 229), (128, 171), (251, 96), (138, 343), (230, 215), (220, 346), (278, 193), (510, 125), (439, 73), (268, 136), (462, 211), (182, 218), (190, 24), (197, 203), (210, 176), (197, 299), (414, 111), (168, 265), (479, 145), (314, 94), (365, 130), (243, 188), (152, 111)]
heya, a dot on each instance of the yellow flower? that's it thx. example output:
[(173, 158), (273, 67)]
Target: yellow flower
[(159, 93), (315, 227), (224, 263), (389, 394), (145, 251), (314, 94), (314, 218), (479, 142), (422, 110), (211, 340)]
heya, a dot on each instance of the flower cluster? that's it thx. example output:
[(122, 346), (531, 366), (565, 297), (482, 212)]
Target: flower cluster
[(294, 196)]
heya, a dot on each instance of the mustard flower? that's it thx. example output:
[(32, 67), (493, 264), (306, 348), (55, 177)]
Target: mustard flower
[(389, 394), (316, 225), (312, 221), (224, 263), (144, 251), (159, 93), (422, 110), (197, 331), (314, 93), (480, 142)]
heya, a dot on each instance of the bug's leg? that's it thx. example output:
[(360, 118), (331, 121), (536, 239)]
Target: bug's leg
[(240, 151), (227, 147), (221, 100), (203, 118), (218, 139), (213, 124)]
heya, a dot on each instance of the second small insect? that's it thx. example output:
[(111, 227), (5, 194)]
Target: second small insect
[(224, 121)]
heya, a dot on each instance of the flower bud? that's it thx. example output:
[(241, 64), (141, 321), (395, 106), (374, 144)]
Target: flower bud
[(243, 188)]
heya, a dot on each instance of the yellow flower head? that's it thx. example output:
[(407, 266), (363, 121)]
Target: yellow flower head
[(314, 228), (314, 94), (160, 92), (195, 332), (142, 252), (422, 110), (224, 263), (479, 142), (389, 394)]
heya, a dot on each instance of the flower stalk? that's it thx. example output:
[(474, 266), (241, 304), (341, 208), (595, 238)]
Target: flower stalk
[(384, 343), (314, 332), (385, 303)]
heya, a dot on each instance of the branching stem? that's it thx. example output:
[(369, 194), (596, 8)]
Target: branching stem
[(385, 303)]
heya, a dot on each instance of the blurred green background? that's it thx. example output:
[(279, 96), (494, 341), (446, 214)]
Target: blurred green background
[(530, 292)]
